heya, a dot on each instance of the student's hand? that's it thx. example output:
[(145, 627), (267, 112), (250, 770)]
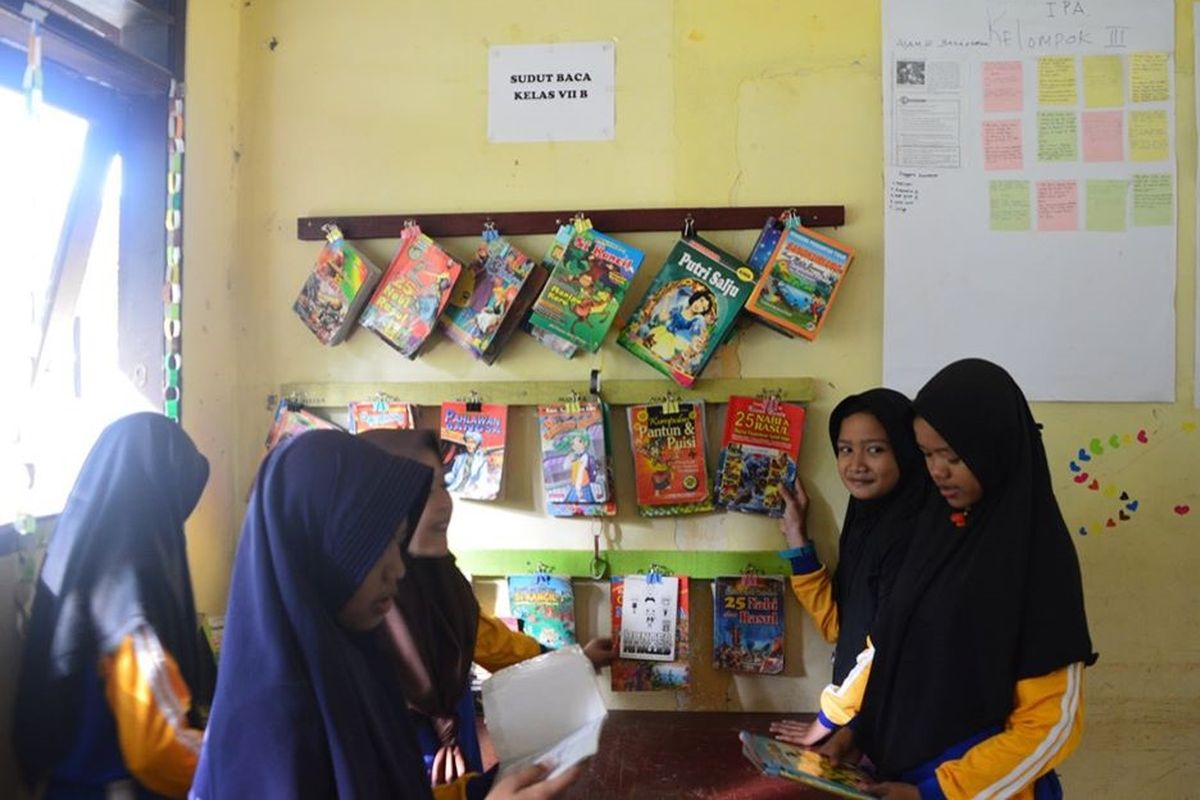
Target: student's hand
[(894, 791), (805, 734), (448, 765), (531, 784), (841, 747), (794, 522), (600, 652)]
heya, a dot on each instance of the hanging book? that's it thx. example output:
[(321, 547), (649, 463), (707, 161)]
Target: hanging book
[(473, 448), (412, 294), (669, 464), (550, 262), (687, 311), (292, 419), (748, 623), (764, 246), (370, 415), (545, 604), (576, 466), (336, 290), (485, 295), (649, 614), (795, 291), (635, 675), (586, 285), (759, 449)]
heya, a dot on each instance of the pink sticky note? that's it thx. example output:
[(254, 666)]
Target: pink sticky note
[(1057, 206), (1002, 144), (1002, 86), (1103, 136)]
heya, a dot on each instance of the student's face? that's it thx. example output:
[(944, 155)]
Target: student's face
[(953, 478), (373, 598), (865, 459), (429, 538)]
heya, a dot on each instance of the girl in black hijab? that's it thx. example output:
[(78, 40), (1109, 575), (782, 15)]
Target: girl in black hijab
[(976, 685), (113, 659), (878, 461)]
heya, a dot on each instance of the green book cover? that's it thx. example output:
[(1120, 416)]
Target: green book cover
[(687, 311)]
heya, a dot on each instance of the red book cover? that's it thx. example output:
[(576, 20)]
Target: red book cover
[(669, 464), (759, 449), (473, 448)]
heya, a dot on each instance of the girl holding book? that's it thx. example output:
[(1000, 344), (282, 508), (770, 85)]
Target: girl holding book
[(880, 465), (975, 688), (310, 704), (113, 657)]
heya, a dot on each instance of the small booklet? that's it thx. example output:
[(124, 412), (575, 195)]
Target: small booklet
[(798, 285), (649, 615), (336, 290), (809, 767), (634, 675), (748, 630), (544, 710), (759, 449)]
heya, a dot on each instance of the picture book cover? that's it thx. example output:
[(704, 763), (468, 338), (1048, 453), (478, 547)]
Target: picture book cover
[(688, 309), (669, 463), (291, 419), (336, 290), (545, 604), (485, 294), (370, 415), (586, 286), (634, 675), (748, 623), (412, 294), (649, 614), (783, 760), (473, 448), (759, 448), (576, 467), (518, 316), (764, 246), (795, 291)]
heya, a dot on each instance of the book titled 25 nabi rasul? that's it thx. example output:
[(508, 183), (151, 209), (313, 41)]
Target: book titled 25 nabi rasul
[(688, 310), (800, 281)]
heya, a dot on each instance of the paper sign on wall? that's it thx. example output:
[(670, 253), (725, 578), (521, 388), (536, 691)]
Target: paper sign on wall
[(551, 92)]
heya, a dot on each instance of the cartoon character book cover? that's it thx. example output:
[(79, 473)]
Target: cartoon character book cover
[(688, 309), (545, 604), (336, 289), (759, 448), (795, 291), (473, 448), (485, 294), (369, 415), (748, 623), (576, 468), (633, 675), (412, 294)]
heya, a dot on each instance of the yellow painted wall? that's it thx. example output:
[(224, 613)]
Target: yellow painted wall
[(312, 106)]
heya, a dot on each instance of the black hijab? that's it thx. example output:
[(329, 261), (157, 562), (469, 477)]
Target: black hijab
[(305, 708), (975, 608), (117, 560), (875, 533)]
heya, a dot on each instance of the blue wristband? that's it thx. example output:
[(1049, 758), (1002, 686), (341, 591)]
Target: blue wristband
[(803, 559)]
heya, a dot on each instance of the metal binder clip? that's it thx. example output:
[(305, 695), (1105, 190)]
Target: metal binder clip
[(670, 403), (689, 227), (542, 572), (574, 403), (594, 382), (770, 399), (490, 233), (332, 232), (474, 402)]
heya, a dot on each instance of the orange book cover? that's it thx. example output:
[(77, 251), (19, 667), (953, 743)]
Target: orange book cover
[(800, 282)]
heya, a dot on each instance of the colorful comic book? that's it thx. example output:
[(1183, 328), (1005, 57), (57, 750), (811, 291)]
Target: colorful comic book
[(759, 449), (687, 311), (545, 604), (336, 290), (782, 760), (484, 296), (748, 623), (473, 448), (550, 262), (764, 246), (669, 463), (576, 465), (291, 419), (795, 291), (412, 294), (630, 675), (586, 286), (370, 415)]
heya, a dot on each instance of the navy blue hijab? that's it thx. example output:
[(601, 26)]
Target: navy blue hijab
[(305, 708), (117, 560)]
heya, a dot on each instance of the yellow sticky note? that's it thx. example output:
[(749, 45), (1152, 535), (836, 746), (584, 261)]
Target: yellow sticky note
[(1103, 82), (1148, 78), (1056, 81), (1148, 139)]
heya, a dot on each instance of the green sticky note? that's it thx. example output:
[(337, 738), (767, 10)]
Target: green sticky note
[(1106, 205), (1058, 136), (1009, 204), (1153, 200)]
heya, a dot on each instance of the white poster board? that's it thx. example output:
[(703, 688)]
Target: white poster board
[(1196, 366), (1030, 193), (551, 92)]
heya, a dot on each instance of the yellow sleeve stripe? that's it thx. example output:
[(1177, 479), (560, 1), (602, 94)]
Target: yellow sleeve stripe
[(1033, 764)]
